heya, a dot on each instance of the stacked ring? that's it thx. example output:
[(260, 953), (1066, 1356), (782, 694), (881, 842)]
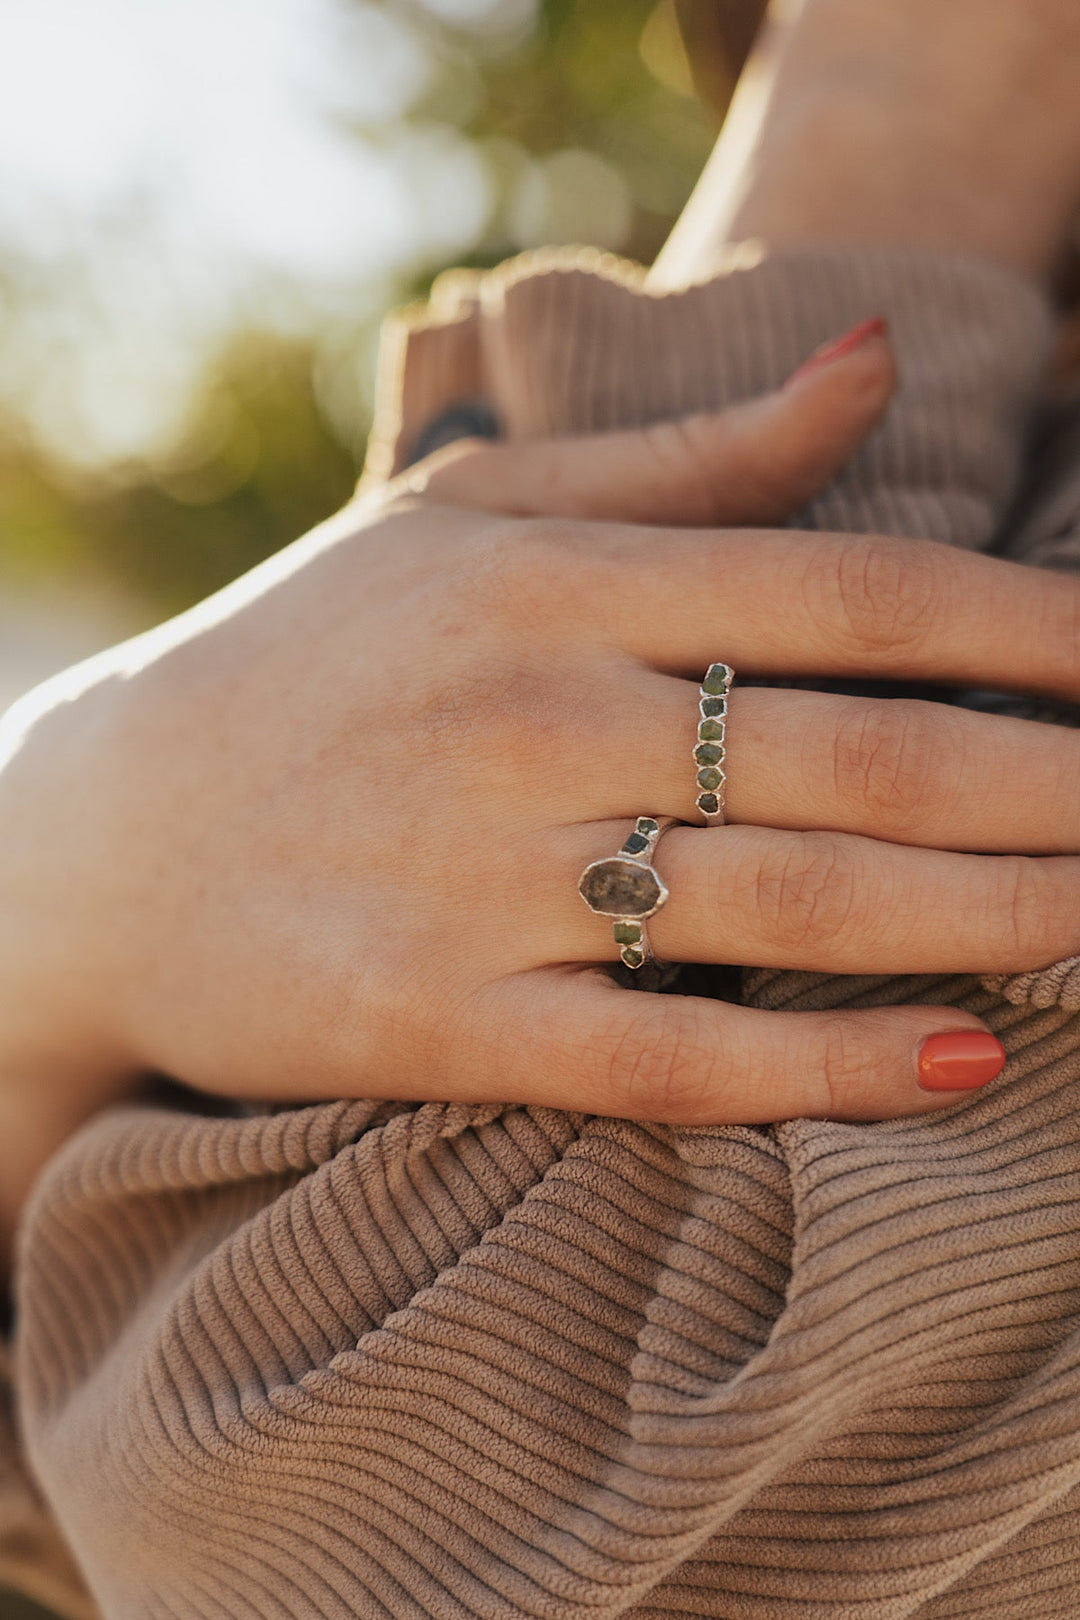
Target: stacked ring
[(710, 751), (627, 888)]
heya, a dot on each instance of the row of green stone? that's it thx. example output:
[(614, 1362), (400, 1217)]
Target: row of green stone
[(709, 753), (628, 935)]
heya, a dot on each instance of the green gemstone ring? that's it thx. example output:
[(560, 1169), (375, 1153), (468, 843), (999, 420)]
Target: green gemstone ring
[(711, 750), (626, 888)]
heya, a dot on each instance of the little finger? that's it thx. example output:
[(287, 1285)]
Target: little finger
[(572, 1039)]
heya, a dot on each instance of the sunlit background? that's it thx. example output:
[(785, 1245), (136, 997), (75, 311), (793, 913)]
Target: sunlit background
[(206, 206)]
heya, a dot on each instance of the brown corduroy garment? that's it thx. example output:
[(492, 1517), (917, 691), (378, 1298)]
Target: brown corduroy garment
[(398, 1360)]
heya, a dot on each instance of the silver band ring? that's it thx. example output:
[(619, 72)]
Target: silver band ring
[(627, 888), (711, 749)]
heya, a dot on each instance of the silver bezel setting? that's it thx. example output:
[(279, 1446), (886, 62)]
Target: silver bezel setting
[(650, 828), (712, 721)]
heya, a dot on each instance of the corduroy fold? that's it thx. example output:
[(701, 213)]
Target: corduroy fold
[(378, 1359)]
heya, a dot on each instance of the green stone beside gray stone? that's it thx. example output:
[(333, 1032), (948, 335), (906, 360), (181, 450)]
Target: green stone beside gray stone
[(627, 933), (616, 888)]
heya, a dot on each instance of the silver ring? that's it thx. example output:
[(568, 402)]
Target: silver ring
[(627, 888), (711, 750)]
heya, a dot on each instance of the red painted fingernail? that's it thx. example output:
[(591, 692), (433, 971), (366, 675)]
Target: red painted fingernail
[(960, 1060), (877, 327)]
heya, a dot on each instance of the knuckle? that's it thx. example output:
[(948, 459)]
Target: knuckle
[(496, 566), (483, 710), (879, 594), (1035, 918), (502, 724), (885, 759), (842, 1067), (664, 1066), (805, 894), (493, 629), (523, 569), (678, 455)]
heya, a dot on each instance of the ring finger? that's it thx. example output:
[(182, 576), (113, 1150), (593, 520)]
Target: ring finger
[(829, 902)]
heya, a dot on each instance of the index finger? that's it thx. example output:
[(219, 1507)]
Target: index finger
[(791, 604), (755, 462)]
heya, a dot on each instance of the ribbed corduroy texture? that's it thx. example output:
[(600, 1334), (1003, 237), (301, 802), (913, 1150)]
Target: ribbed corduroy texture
[(395, 1360)]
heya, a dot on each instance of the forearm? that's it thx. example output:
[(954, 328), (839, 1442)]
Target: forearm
[(939, 180), (59, 1059), (883, 125)]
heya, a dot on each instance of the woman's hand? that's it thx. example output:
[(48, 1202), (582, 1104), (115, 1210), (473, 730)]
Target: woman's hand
[(321, 836)]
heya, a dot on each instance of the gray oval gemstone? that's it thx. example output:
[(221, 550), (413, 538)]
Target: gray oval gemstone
[(618, 888)]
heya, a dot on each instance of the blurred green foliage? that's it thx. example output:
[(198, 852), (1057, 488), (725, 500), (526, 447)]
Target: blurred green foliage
[(583, 80), (259, 457), (257, 466)]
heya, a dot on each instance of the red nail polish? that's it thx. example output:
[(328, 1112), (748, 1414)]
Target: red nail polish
[(877, 327), (960, 1060)]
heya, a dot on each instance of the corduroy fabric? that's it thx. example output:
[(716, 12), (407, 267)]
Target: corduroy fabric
[(399, 1360), (33, 1557)]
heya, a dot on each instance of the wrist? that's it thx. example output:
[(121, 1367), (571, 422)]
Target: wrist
[(56, 1069), (38, 1112), (60, 1058)]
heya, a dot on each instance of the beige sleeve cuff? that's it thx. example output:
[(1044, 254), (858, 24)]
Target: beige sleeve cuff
[(575, 341)]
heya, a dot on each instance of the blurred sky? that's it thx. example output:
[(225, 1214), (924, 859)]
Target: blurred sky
[(189, 155), (207, 206)]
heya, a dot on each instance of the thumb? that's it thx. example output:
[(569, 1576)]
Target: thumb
[(757, 462)]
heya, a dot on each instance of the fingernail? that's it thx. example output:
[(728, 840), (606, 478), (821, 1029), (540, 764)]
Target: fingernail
[(960, 1060), (838, 347)]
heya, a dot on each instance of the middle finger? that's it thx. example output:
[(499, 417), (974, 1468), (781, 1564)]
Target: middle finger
[(901, 769)]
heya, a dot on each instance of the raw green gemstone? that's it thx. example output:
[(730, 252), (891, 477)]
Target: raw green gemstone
[(646, 824), (635, 844), (627, 933), (714, 705), (708, 753), (632, 956), (717, 679), (709, 779), (711, 731), (708, 803)]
